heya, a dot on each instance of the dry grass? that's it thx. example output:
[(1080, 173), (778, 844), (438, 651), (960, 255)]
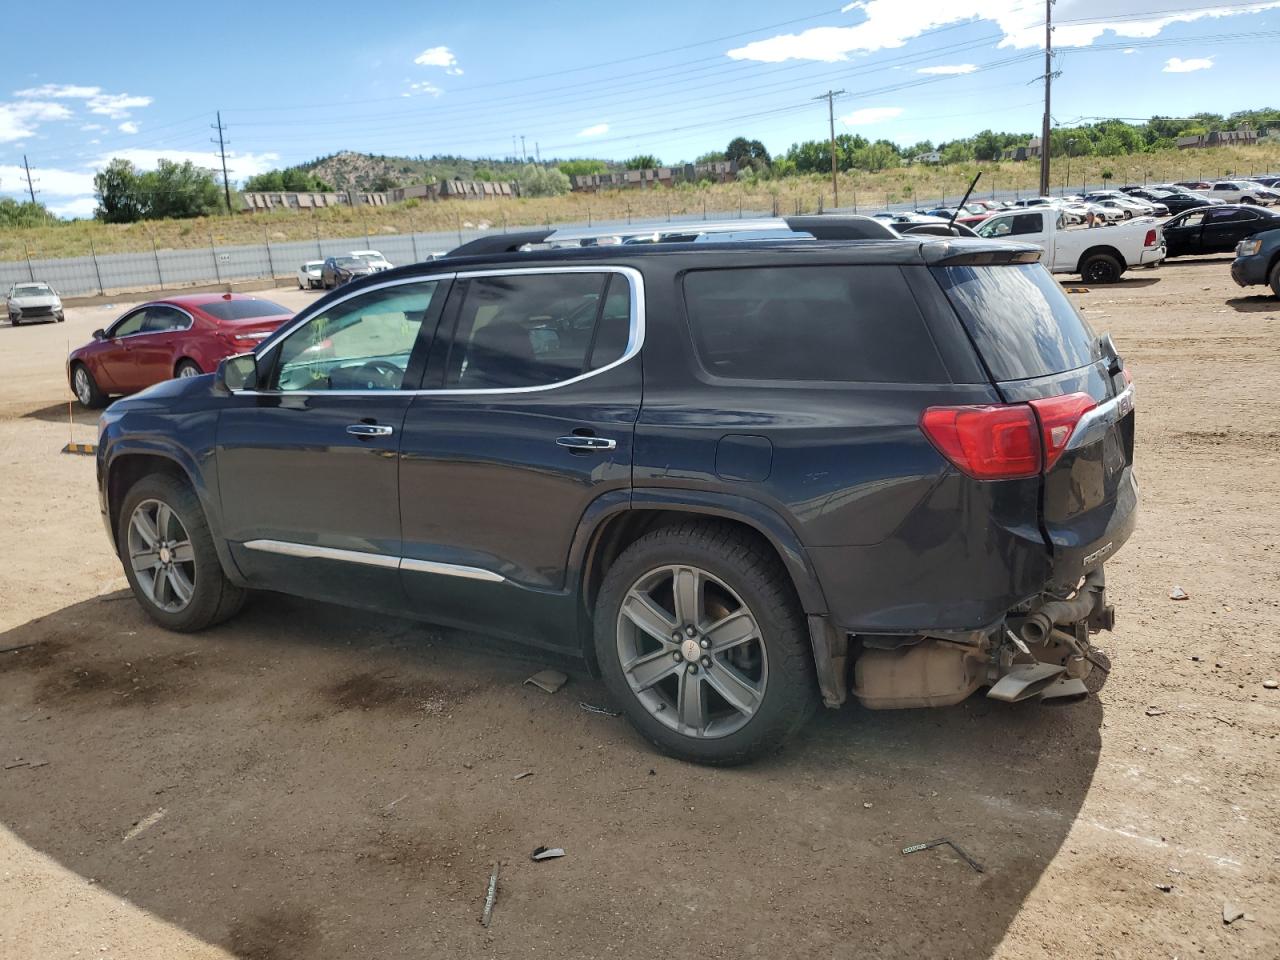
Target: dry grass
[(919, 185)]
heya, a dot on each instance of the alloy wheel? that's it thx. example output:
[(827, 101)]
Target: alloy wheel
[(188, 370), (162, 556), (692, 651), (83, 391)]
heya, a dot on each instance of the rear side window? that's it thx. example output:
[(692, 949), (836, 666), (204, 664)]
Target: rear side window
[(1020, 320), (243, 309), (839, 323), (533, 330)]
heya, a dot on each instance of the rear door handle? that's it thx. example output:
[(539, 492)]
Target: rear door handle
[(587, 443), (370, 430)]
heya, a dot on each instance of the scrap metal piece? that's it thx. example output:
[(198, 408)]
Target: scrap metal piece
[(1025, 681), (945, 841), (490, 897), (548, 681), (545, 853), (1065, 687)]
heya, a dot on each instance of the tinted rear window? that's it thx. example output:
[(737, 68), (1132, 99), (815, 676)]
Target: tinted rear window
[(1020, 320), (243, 309), (849, 323)]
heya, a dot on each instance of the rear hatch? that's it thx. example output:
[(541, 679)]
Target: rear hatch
[(1039, 350)]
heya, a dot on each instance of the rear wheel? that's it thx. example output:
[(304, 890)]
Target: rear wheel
[(86, 388), (701, 640), (1101, 268), (187, 368), (170, 559), (1246, 200)]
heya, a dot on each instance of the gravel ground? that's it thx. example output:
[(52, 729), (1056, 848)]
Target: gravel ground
[(311, 782)]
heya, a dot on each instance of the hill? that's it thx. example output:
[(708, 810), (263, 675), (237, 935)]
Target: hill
[(349, 170)]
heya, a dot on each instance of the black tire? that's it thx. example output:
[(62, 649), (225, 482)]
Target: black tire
[(214, 598), (756, 575), (1274, 278), (1246, 201), (187, 364), (13, 321), (90, 397), (1101, 268), (60, 317)]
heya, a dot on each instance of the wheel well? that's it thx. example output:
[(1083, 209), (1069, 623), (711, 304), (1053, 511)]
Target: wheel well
[(1110, 251), (128, 469), (181, 361), (624, 529)]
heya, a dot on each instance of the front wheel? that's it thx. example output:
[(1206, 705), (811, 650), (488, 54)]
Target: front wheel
[(170, 559), (1274, 279), (1101, 268), (701, 640), (86, 388)]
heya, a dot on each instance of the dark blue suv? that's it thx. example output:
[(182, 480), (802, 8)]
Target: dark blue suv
[(735, 477)]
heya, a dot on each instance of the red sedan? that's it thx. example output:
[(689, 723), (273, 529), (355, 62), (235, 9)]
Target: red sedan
[(176, 337)]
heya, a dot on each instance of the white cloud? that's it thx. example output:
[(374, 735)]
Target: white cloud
[(454, 71), (53, 182), (949, 69), (22, 118), (1178, 65), (1128, 50), (883, 25), (116, 106), (423, 87), (92, 127), (79, 207), (596, 130), (870, 115), (436, 57), (128, 127)]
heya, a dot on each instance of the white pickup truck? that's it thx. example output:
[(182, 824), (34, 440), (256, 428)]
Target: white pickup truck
[(1097, 254)]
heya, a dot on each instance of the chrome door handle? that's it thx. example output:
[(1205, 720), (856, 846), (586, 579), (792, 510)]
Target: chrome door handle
[(587, 443), (370, 430)]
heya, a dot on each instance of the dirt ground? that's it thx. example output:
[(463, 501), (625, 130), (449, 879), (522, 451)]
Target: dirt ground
[(308, 782)]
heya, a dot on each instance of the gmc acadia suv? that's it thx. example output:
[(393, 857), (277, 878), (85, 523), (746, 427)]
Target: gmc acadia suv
[(732, 476)]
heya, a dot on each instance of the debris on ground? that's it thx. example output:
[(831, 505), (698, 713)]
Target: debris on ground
[(490, 896), (22, 646), (521, 776), (1177, 593), (867, 805), (1270, 684), (601, 711), (391, 806), (146, 823), (1165, 887), (546, 853), (549, 681), (944, 841), (1154, 711), (1231, 912), (18, 762)]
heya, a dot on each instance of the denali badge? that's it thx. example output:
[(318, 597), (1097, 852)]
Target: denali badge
[(1098, 554)]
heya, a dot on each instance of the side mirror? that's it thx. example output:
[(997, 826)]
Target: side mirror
[(99, 334), (237, 373)]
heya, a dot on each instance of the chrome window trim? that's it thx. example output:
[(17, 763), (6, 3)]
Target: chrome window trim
[(635, 339), (308, 551)]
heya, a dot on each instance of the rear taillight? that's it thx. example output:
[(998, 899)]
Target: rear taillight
[(1006, 441), (1058, 418), (992, 442), (1151, 239)]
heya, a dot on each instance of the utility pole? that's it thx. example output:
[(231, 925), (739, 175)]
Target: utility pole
[(524, 154), (514, 152), (1048, 83), (30, 185), (830, 97), (537, 152), (222, 152)]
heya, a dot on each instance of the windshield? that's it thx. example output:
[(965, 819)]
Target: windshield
[(348, 261), (32, 290), (243, 309), (313, 266)]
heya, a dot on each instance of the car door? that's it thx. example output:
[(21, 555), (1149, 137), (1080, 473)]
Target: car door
[(539, 387), (156, 348), (1182, 235), (1224, 227), (116, 371), (307, 460)]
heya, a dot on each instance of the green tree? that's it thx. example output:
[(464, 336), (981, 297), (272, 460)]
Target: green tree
[(713, 156), (178, 190), (117, 189), (582, 168), (535, 181), (643, 161), (746, 152)]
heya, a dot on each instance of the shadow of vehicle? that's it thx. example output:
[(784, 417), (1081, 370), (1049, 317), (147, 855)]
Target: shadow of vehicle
[(314, 782), (1259, 304), (57, 413)]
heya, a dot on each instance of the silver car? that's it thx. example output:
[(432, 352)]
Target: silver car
[(33, 301)]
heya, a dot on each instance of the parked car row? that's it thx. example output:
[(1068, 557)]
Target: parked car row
[(343, 268)]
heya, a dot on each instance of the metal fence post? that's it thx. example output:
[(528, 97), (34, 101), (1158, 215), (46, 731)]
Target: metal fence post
[(855, 201), (588, 214), (319, 251), (271, 263), (214, 250), (457, 219), (413, 238), (31, 273), (156, 254), (102, 291), (704, 208)]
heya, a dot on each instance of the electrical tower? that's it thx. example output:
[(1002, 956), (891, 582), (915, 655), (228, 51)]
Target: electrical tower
[(222, 153)]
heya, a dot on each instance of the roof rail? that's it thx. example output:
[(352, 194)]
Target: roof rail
[(830, 227), (499, 243)]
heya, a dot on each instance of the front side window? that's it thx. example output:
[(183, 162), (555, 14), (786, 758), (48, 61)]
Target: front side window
[(359, 344), (532, 330), (129, 324), (1191, 220)]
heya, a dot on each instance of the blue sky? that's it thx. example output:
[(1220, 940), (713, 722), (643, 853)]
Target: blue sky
[(610, 80)]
